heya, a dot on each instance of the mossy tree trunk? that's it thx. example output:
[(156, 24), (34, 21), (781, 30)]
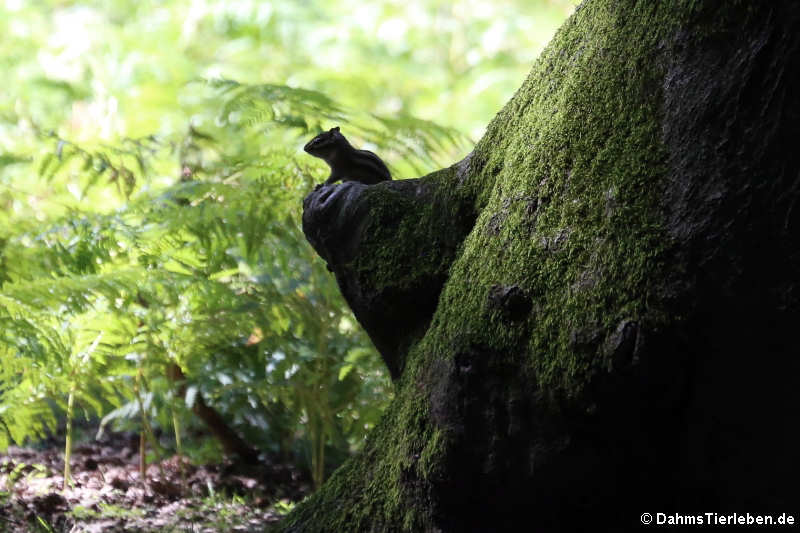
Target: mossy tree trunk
[(593, 315)]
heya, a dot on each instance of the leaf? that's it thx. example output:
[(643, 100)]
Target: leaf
[(344, 371), (8, 159), (45, 163)]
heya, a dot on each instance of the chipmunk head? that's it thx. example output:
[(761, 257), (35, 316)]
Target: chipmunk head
[(324, 144)]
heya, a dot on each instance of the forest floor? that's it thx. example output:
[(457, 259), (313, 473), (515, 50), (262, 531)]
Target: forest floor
[(109, 495)]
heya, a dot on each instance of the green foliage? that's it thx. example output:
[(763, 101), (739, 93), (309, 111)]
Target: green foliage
[(208, 272), (151, 205)]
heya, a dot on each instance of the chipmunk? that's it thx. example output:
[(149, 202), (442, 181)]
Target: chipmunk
[(347, 163)]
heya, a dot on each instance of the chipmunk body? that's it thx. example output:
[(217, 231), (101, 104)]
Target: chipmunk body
[(347, 163)]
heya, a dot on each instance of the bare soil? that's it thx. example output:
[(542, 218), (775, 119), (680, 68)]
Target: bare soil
[(108, 493)]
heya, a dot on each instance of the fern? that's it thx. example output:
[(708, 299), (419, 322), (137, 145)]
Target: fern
[(186, 249)]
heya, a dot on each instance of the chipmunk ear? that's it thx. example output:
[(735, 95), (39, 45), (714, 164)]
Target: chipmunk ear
[(335, 129)]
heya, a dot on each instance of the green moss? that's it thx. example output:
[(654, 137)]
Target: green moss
[(573, 164), (405, 236)]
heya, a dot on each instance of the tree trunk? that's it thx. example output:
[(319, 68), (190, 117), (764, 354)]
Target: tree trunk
[(593, 315)]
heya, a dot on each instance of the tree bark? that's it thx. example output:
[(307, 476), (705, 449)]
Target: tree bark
[(593, 315)]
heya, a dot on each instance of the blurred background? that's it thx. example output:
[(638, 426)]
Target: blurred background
[(154, 276)]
